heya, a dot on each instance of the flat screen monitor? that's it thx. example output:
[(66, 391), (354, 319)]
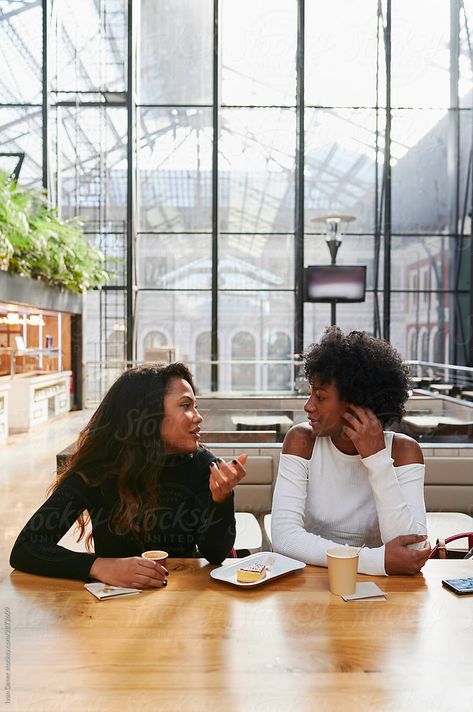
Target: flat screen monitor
[(335, 283)]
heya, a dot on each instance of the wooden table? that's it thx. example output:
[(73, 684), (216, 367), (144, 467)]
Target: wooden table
[(442, 387), (205, 645), (430, 422)]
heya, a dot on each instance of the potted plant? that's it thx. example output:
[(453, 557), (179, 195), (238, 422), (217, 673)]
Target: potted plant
[(36, 243)]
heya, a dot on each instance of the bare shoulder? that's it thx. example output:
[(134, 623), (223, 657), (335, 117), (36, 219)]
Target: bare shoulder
[(299, 441), (406, 451)]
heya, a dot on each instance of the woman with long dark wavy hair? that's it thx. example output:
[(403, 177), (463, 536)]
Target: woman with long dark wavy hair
[(139, 475)]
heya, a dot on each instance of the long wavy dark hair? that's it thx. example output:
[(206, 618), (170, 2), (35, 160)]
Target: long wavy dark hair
[(121, 443)]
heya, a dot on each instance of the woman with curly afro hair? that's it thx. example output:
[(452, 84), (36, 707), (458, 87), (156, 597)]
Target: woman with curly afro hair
[(343, 477)]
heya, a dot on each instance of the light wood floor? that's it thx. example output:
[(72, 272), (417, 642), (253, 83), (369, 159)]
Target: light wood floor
[(27, 468)]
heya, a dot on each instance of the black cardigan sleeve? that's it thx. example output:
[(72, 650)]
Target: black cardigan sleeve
[(217, 533), (36, 550)]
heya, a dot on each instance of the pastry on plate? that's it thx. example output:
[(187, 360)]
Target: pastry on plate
[(251, 573)]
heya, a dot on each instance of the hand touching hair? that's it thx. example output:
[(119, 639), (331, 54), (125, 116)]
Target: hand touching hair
[(368, 372)]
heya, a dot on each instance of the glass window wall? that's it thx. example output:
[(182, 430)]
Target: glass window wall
[(240, 140)]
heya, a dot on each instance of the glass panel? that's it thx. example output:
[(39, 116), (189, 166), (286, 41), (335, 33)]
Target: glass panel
[(340, 154), (90, 145), (354, 250), (259, 43), (21, 131), (176, 51), (420, 187), (466, 157), (280, 376), (113, 324), (21, 47), (421, 262), (419, 329), (316, 320), (462, 348), (175, 162), (105, 325), (202, 367), (180, 315), (113, 246), (91, 46), (256, 179), (174, 261), (340, 53), (256, 262), (104, 340), (259, 315), (357, 316), (243, 374), (420, 54), (381, 54), (92, 346), (154, 340), (466, 53)]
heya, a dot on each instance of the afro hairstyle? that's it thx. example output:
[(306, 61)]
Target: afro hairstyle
[(367, 372)]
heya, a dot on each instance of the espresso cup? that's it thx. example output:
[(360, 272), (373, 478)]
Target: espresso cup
[(342, 562), (157, 555), (421, 529)]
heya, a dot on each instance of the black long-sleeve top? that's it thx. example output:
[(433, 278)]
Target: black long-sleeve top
[(187, 520)]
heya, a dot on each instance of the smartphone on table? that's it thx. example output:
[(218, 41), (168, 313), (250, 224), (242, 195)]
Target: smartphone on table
[(461, 586)]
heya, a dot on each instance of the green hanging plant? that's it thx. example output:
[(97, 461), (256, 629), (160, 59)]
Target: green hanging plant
[(36, 243)]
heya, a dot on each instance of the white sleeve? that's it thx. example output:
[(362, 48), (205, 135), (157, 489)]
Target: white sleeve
[(399, 496), (289, 536)]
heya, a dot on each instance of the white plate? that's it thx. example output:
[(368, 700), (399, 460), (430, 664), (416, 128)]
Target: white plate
[(277, 565)]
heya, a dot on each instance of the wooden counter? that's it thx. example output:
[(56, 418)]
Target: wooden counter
[(4, 393), (36, 397)]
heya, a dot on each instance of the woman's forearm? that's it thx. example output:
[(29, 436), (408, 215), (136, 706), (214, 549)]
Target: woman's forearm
[(50, 560), (36, 550), (399, 496)]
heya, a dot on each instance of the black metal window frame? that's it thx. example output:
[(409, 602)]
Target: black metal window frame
[(461, 339), (383, 207)]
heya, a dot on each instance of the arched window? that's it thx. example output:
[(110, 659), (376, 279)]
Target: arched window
[(116, 345), (279, 375), (438, 347), (243, 374), (203, 353), (152, 346), (424, 346)]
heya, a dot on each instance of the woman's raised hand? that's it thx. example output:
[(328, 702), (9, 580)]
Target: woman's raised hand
[(364, 430), (224, 476), (132, 572)]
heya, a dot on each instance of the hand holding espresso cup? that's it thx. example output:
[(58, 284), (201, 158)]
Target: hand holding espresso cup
[(130, 572), (224, 476), (400, 559)]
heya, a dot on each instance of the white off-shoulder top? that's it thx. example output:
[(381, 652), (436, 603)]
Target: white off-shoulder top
[(335, 498)]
